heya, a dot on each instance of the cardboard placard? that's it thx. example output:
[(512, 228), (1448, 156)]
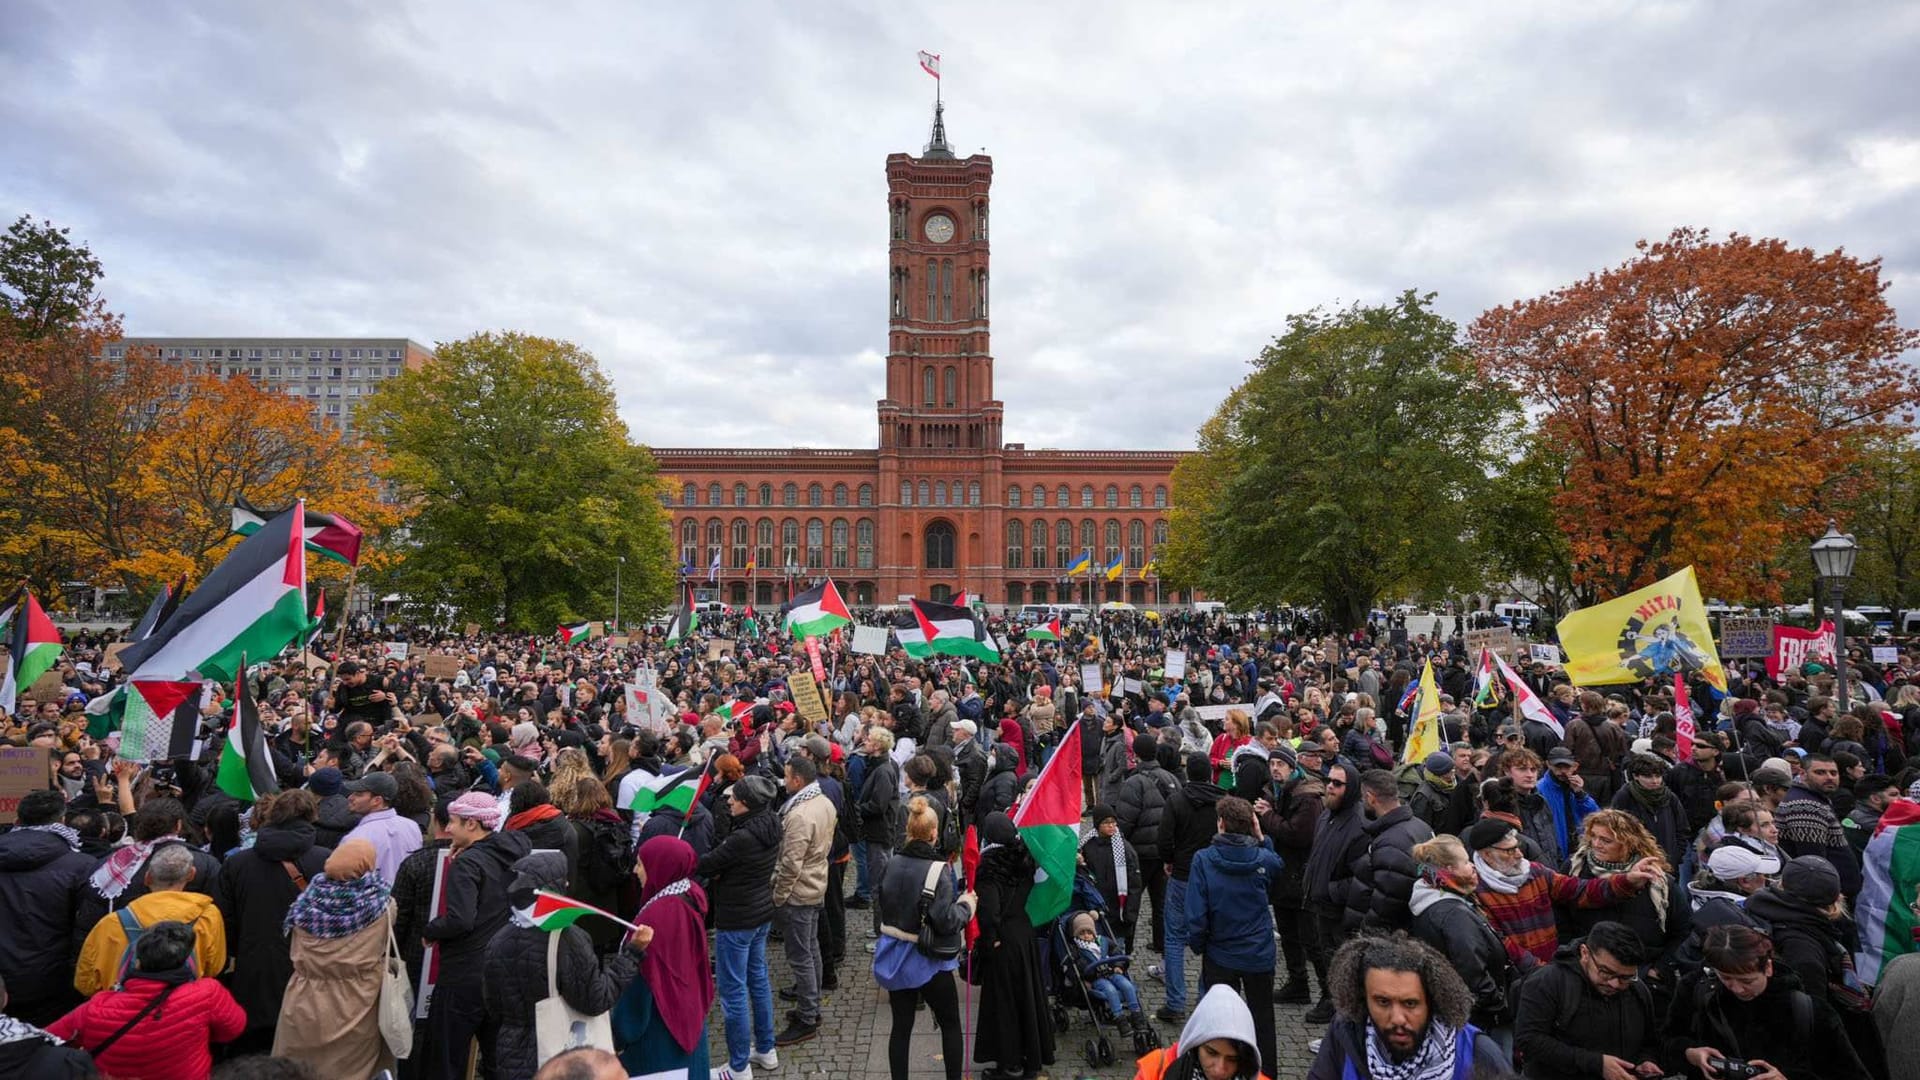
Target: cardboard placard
[(870, 640), (619, 641), (1745, 636), (806, 697), (397, 650), (312, 662), (22, 769), (596, 629), (473, 629), (1499, 639), (1215, 712), (718, 648), (1886, 654), (48, 687), (443, 667), (1176, 664)]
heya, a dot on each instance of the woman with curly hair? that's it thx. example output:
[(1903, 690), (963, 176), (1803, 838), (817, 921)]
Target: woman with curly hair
[(1614, 842), (1400, 1013)]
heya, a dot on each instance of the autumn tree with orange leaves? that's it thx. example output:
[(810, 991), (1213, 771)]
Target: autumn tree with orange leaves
[(1704, 392)]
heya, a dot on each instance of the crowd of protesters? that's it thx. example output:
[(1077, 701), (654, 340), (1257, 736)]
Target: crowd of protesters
[(1553, 900)]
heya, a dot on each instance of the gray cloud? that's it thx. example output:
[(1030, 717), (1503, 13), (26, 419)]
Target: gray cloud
[(695, 192)]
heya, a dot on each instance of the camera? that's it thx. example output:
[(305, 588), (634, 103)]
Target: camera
[(1733, 1070)]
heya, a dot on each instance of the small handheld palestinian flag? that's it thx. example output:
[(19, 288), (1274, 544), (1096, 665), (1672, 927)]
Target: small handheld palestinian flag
[(1046, 631), (553, 912), (1486, 692), (580, 631), (33, 644), (674, 791), (685, 619)]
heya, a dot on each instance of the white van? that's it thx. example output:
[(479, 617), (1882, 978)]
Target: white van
[(1519, 615)]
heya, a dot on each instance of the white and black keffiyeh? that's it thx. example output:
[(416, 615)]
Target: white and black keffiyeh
[(1433, 1061)]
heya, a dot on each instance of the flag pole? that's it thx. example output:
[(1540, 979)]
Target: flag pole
[(340, 645)]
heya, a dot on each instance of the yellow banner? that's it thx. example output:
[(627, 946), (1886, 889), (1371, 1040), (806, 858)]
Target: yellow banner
[(1424, 735), (1656, 632)]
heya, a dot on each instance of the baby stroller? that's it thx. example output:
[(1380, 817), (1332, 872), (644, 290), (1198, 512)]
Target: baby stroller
[(1073, 974)]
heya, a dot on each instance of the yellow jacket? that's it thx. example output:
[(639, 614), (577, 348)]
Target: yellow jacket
[(99, 967)]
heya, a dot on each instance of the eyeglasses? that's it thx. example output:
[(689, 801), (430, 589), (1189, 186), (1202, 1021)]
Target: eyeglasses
[(1336, 783)]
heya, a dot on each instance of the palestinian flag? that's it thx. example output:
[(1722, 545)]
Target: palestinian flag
[(7, 613), (160, 720), (673, 791), (1486, 694), (33, 644), (1049, 824), (157, 611), (1047, 631), (246, 769), (254, 603), (686, 620), (1530, 704), (582, 631), (1882, 912), (955, 631), (326, 534), (906, 630), (817, 612), (553, 912), (733, 710)]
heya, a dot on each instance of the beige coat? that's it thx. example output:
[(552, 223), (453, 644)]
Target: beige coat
[(1040, 716), (331, 1017), (806, 840)]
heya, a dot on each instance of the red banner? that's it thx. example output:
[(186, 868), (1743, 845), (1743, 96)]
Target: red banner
[(1682, 719), (1793, 646), (813, 654)]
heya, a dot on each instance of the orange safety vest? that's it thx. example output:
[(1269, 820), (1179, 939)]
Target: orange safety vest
[(1154, 1065)]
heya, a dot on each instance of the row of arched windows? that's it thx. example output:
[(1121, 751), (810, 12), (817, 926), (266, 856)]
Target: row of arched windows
[(1028, 542), (1018, 496), (949, 379), (939, 493), (838, 544), (816, 495)]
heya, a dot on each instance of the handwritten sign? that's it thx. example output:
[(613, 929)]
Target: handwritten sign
[(1743, 636), (870, 640), (22, 769), (1499, 639), (1090, 678), (806, 697), (396, 650), (1176, 664), (442, 667), (1886, 654)]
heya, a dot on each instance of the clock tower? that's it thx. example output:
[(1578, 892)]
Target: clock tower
[(939, 350)]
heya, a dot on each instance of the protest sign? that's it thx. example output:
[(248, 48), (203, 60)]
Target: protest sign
[(442, 667), (1886, 654), (813, 657), (312, 661), (870, 640), (1545, 654), (806, 697), (1746, 636), (1130, 686), (396, 650), (1498, 639), (430, 959), (619, 641), (717, 649), (646, 708), (1090, 678), (473, 629), (1215, 712), (1793, 647), (22, 769), (1176, 664), (596, 629), (48, 687)]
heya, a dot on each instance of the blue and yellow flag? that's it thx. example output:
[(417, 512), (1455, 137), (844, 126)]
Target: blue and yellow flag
[(1656, 632), (1115, 568), (1083, 564)]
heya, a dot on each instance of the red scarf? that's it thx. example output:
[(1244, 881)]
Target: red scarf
[(532, 816)]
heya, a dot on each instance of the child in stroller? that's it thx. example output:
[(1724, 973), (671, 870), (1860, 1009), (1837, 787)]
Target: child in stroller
[(1103, 971)]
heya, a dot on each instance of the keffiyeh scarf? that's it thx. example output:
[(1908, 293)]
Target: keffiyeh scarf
[(1583, 864), (64, 832), (1432, 1061), (811, 791), (13, 1031), (336, 909), (117, 870)]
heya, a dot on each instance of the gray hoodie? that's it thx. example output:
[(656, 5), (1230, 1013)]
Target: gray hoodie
[(1221, 1014)]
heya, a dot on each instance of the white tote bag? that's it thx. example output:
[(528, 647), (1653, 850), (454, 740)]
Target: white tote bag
[(557, 1026), (396, 999)]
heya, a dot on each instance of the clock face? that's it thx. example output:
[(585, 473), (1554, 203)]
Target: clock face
[(939, 228)]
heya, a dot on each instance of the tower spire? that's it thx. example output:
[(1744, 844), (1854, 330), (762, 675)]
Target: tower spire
[(937, 145)]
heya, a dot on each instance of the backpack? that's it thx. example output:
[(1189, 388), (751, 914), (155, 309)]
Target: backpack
[(950, 838), (606, 860), (131, 926), (1408, 777)]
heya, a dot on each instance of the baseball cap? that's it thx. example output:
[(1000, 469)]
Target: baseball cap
[(1812, 879), (1560, 754), (1768, 776), (375, 783), (1731, 861), (967, 726)]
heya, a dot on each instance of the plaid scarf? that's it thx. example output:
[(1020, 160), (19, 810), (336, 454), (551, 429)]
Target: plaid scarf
[(64, 832), (335, 909), (117, 869)]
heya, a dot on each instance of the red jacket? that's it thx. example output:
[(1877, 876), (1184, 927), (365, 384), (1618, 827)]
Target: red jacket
[(173, 1042)]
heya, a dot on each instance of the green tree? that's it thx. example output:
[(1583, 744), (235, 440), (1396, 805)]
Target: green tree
[(523, 486), (1340, 471), (1882, 508), (46, 280), (1524, 551)]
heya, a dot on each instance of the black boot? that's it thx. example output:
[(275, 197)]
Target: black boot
[(1321, 1013), (1297, 991)]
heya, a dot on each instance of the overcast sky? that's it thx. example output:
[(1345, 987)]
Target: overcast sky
[(695, 192)]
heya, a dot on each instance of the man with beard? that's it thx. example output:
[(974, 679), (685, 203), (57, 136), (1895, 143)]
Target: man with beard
[(1339, 840), (1808, 825), (1402, 1012)]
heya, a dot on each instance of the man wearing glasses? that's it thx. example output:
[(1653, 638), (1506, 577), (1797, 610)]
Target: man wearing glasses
[(1588, 1014)]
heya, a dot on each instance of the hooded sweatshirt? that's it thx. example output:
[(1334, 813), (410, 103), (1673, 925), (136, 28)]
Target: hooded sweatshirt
[(1219, 1015)]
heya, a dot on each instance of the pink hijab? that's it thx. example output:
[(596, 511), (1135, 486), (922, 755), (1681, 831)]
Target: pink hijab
[(675, 965)]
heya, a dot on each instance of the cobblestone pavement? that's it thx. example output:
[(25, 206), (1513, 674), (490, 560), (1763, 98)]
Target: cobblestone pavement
[(855, 1022)]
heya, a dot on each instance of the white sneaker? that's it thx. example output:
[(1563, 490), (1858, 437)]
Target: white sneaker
[(1313, 1047), (1155, 971), (768, 1060), (726, 1073)]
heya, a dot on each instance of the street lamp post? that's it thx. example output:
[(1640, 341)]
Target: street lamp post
[(619, 566), (1833, 556)]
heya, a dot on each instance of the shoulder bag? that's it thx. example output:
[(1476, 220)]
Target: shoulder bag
[(929, 943), (558, 1026), (396, 999)]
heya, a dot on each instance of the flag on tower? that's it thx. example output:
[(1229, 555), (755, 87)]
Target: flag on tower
[(930, 63)]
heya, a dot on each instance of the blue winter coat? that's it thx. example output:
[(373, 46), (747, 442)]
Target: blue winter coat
[(1229, 920)]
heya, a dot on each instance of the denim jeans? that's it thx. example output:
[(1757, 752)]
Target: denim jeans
[(740, 973), (862, 884), (1117, 992), (1175, 958)]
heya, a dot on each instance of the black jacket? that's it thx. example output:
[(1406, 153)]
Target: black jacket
[(1383, 880), (898, 896), (739, 872), (336, 821), (1695, 789), (1563, 1026), (42, 1059), (42, 884), (1140, 804), (1290, 824), (516, 978), (1455, 926), (1097, 852), (879, 800), (1667, 823), (556, 834), (255, 893), (1002, 783), (1805, 941), (1188, 825), (477, 905), (1339, 840), (1803, 1041), (970, 761), (412, 892)]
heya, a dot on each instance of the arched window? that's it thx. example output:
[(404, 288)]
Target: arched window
[(739, 494), (1160, 496), (906, 493), (1013, 496), (1061, 498), (946, 290), (926, 388), (766, 494), (816, 539), (1090, 537), (1016, 593), (1113, 496), (1112, 548), (839, 543), (952, 378), (1136, 544), (973, 493), (789, 494), (1133, 496), (866, 495), (688, 494), (1086, 496), (933, 300), (1016, 545), (789, 543), (1039, 543), (863, 549), (1159, 535), (716, 539), (739, 560), (713, 494), (839, 494), (1063, 543), (925, 494), (939, 493), (939, 546), (1039, 592), (763, 545), (1039, 494), (689, 542), (814, 494)]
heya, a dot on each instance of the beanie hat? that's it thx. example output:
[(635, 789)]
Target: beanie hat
[(754, 792), (1081, 921), (1812, 879), (1102, 813), (1487, 832), (1438, 763), (325, 782)]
